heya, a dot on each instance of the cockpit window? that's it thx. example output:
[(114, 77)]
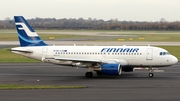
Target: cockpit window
[(164, 53), (160, 53)]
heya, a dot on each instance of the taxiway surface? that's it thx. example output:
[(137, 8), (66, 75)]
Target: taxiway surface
[(98, 43), (134, 86)]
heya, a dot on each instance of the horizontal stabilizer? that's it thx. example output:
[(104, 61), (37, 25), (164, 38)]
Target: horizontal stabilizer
[(22, 51)]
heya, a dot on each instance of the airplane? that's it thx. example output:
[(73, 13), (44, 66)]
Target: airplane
[(104, 60)]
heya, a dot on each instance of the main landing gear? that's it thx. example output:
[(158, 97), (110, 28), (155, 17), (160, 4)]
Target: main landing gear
[(89, 74)]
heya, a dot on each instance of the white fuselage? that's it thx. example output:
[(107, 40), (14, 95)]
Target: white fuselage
[(125, 55)]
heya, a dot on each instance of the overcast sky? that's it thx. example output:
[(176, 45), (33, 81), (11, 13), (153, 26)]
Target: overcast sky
[(134, 10)]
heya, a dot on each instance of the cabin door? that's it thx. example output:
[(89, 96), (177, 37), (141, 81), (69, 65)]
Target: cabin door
[(149, 54), (44, 52)]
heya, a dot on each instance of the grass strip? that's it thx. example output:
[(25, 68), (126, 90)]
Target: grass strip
[(14, 87), (158, 36)]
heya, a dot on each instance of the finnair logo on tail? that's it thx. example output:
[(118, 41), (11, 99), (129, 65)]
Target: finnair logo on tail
[(26, 29)]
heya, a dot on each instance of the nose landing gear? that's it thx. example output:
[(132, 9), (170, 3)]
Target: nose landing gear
[(151, 75), (151, 72)]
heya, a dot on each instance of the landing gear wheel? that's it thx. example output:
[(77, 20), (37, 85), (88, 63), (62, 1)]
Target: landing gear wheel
[(151, 75), (89, 74), (99, 73)]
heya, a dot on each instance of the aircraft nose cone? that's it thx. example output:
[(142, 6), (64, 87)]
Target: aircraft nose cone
[(174, 60)]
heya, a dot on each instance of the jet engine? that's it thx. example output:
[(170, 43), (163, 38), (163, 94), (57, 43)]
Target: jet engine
[(111, 69)]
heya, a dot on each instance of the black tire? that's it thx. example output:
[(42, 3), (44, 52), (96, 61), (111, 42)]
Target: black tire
[(89, 74), (151, 75)]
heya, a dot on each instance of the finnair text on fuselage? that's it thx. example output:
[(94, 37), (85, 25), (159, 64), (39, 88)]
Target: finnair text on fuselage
[(120, 50)]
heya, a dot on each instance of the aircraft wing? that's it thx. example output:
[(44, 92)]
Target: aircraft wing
[(121, 61), (79, 60)]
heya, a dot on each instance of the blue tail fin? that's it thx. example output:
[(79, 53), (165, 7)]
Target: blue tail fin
[(27, 36)]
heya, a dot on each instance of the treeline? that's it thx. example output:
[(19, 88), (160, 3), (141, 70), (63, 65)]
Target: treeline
[(93, 24)]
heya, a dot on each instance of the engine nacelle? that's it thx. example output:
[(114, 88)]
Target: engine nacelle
[(111, 69), (127, 69)]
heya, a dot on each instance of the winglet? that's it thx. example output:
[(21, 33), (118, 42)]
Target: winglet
[(27, 35)]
